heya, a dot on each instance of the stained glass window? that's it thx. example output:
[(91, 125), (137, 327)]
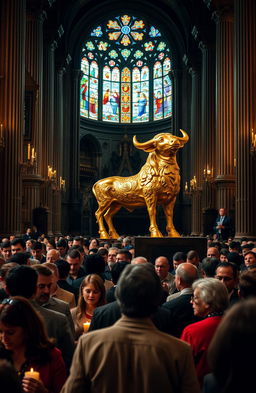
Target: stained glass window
[(126, 72)]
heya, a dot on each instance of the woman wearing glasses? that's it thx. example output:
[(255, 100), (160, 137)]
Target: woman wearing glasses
[(209, 300)]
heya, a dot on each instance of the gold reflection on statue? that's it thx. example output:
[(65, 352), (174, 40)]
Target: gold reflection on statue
[(157, 183)]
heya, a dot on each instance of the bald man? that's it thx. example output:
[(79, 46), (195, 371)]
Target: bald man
[(139, 260), (52, 256), (162, 267)]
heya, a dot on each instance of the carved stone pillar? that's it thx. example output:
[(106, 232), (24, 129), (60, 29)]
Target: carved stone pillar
[(195, 152), (48, 130), (208, 136), (32, 178), (245, 119), (12, 60), (225, 177)]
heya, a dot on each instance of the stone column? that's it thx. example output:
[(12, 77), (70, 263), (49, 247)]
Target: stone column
[(32, 178), (208, 136), (48, 129), (195, 152), (245, 119), (225, 177), (12, 60)]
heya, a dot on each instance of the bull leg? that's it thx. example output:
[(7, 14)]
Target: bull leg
[(114, 208), (168, 211), (99, 217), (151, 206)]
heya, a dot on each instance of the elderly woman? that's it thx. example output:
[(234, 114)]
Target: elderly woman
[(209, 300)]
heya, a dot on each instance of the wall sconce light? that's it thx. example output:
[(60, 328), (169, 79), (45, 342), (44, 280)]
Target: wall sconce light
[(51, 173), (62, 184), (2, 139), (253, 142), (193, 184), (31, 154), (207, 174)]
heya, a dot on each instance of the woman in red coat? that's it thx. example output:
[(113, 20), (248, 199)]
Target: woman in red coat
[(210, 300)]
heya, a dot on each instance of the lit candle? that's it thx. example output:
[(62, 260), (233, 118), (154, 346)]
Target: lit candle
[(86, 326), (2, 131), (186, 186), (33, 153), (29, 151), (252, 136), (32, 374)]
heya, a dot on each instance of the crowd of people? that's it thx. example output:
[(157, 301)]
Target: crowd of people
[(81, 315)]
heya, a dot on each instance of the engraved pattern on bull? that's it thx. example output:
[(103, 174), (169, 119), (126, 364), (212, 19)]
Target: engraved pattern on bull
[(157, 183)]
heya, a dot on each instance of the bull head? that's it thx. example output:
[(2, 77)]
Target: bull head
[(162, 141)]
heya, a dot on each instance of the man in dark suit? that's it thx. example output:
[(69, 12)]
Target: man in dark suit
[(179, 304), (222, 226)]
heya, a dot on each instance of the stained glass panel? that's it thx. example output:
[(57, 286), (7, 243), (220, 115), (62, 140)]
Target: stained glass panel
[(140, 92), (158, 99), (125, 96)]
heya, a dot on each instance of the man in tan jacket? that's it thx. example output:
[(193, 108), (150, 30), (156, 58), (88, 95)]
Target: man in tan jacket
[(133, 355)]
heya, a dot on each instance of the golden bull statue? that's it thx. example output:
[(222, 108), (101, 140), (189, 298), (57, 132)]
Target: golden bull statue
[(158, 182)]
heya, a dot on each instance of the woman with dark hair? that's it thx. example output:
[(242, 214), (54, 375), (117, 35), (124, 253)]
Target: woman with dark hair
[(91, 295), (231, 354), (209, 301), (25, 344)]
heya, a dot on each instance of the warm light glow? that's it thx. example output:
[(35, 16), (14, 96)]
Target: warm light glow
[(29, 152)]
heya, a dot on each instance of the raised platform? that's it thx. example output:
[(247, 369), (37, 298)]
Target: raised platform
[(151, 248)]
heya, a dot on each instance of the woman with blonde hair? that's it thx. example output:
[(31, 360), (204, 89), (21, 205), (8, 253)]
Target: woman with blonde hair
[(91, 295)]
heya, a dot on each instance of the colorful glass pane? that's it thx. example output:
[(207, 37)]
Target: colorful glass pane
[(113, 54), (157, 69), (140, 93), (158, 99), (84, 103), (94, 69), (160, 56), (125, 96), (167, 65), (149, 46), (145, 73), (114, 36), (154, 32), (103, 46), (90, 55), (112, 24), (106, 73), (138, 24), (125, 19), (125, 53), (137, 36), (161, 46), (89, 45), (93, 98), (111, 63), (110, 101), (85, 66), (97, 32), (139, 63), (116, 74), (138, 54), (125, 40), (167, 96)]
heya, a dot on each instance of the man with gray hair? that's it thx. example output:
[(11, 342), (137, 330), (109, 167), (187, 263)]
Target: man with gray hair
[(179, 304), (133, 356)]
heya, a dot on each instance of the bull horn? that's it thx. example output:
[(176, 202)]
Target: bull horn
[(185, 137), (146, 146)]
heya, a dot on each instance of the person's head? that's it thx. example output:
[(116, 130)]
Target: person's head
[(91, 294), (78, 241), (234, 246), (162, 267), (21, 258), (193, 257), (21, 281), (6, 250), (139, 291), (52, 256), (186, 274), (232, 350), (246, 248), (55, 275), (4, 270), (178, 258), (222, 211), (247, 284), (249, 259), (94, 264), (50, 245), (29, 244), (37, 251), (74, 259), (227, 272), (18, 245), (63, 269), (138, 260), (224, 255), (209, 296), (213, 252), (117, 270), (112, 253), (209, 266), (62, 247), (103, 252), (94, 243), (44, 284), (123, 255), (22, 327)]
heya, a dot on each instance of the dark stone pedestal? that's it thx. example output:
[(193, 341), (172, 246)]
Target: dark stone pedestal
[(151, 248)]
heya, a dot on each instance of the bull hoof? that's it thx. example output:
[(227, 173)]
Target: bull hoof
[(156, 234), (103, 235), (113, 235), (174, 234)]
